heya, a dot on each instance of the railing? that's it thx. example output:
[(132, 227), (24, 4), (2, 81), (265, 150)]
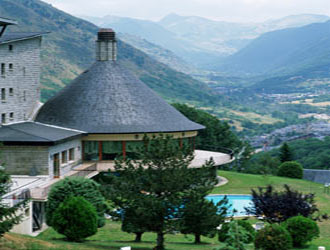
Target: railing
[(83, 172)]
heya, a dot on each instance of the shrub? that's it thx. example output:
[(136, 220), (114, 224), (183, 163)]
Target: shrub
[(273, 237), (291, 169), (302, 230), (76, 218), (278, 206), (223, 232), (75, 186)]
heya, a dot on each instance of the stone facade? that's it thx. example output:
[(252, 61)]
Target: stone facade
[(38, 160), (25, 160), (19, 79)]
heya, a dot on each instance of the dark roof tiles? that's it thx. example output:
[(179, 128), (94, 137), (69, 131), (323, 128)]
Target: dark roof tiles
[(109, 99), (35, 132)]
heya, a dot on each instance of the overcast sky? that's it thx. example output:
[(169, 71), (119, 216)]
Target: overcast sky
[(227, 10)]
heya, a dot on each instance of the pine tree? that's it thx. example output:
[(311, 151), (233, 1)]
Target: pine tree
[(286, 153), (9, 215), (202, 217), (158, 183)]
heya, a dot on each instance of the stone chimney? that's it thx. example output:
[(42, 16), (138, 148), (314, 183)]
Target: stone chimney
[(106, 45)]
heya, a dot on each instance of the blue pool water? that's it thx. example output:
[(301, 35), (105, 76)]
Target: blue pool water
[(237, 202)]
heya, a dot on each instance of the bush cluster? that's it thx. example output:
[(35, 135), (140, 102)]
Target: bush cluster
[(291, 169), (76, 218), (302, 230), (273, 237)]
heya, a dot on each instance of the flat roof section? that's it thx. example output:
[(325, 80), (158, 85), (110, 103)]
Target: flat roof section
[(17, 36), (6, 21), (34, 133)]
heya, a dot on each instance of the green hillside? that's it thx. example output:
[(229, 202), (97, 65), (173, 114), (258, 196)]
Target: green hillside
[(69, 49)]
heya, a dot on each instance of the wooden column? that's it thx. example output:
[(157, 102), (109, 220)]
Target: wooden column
[(181, 143), (124, 150), (82, 150), (100, 151)]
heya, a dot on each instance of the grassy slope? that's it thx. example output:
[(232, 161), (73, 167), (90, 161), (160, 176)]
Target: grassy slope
[(110, 236)]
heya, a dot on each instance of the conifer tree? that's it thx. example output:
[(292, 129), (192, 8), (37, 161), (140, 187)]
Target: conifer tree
[(9, 215), (158, 184), (286, 153)]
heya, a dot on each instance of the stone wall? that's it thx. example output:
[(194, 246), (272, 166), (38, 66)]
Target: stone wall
[(25, 160), (20, 79), (315, 175)]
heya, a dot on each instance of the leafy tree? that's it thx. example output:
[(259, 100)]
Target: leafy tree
[(158, 184), (75, 186), (291, 169), (285, 153), (76, 218), (202, 217), (9, 216), (262, 163), (278, 206), (217, 134)]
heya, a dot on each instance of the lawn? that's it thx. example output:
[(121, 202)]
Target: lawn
[(111, 237)]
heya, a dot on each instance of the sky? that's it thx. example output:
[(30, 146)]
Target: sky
[(224, 10)]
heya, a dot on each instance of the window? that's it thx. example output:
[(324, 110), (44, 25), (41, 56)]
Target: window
[(24, 95), (64, 157), (11, 91), (111, 149), (91, 150), (10, 47), (71, 154), (11, 116), (3, 69), (11, 67), (3, 94), (3, 118)]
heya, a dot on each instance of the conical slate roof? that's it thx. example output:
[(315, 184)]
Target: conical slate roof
[(109, 99)]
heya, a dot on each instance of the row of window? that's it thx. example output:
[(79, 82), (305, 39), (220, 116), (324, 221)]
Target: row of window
[(4, 117), (111, 150), (65, 154), (3, 93), (3, 68)]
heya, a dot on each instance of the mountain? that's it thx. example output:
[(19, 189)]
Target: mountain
[(69, 49), (159, 53), (188, 49), (293, 21), (229, 37), (283, 52)]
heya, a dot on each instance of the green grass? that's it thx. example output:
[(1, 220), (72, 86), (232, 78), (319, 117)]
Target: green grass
[(111, 237)]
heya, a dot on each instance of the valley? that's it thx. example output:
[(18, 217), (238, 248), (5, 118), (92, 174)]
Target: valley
[(256, 76)]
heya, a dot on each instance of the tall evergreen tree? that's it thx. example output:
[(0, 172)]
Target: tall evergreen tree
[(158, 184), (201, 217), (9, 215), (286, 153)]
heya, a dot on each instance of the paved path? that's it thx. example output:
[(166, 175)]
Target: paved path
[(221, 181)]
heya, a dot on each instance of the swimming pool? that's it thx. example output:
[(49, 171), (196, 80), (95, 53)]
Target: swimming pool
[(237, 202)]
